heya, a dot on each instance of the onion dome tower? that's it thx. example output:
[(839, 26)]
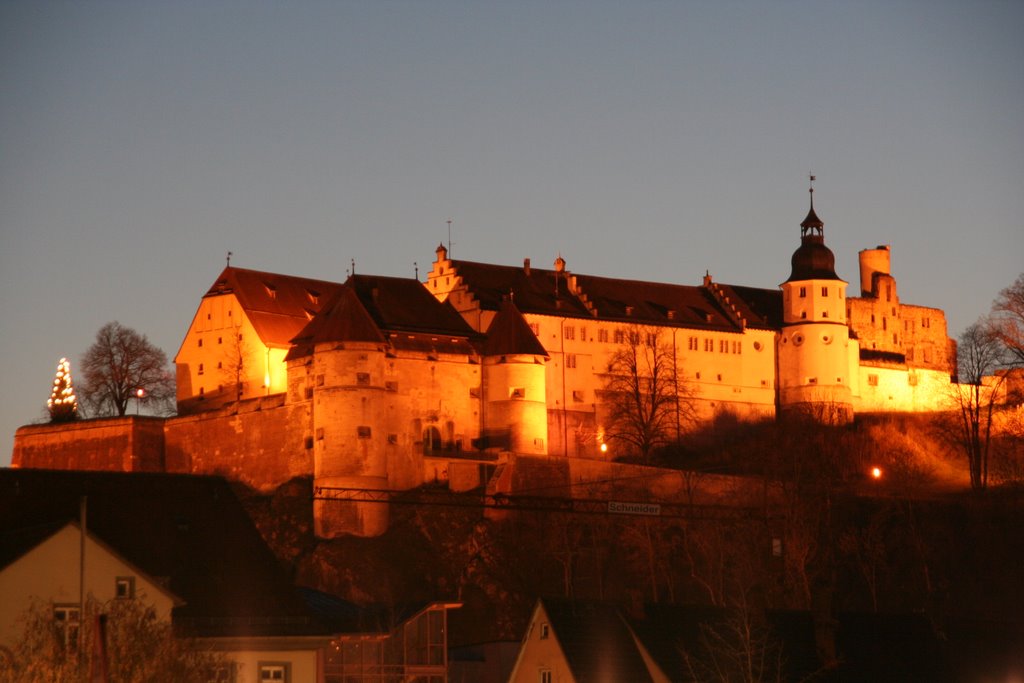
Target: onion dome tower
[(814, 343)]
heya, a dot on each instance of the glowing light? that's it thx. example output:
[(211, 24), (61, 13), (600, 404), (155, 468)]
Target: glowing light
[(876, 472), (604, 448)]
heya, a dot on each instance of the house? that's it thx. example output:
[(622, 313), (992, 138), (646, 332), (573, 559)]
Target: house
[(578, 641), (182, 544)]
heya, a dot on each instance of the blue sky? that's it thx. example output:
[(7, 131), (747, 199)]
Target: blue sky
[(140, 141)]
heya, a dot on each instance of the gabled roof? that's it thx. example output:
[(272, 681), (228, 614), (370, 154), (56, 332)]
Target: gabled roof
[(510, 334), (536, 291), (596, 641), (189, 532), (399, 311), (277, 305), (605, 298)]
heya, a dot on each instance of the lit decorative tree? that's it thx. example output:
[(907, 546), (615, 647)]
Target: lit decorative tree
[(63, 405)]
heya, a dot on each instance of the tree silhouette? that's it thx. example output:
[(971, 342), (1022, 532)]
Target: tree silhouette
[(117, 366)]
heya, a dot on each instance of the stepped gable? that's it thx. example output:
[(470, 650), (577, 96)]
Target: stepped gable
[(653, 303), (188, 531), (278, 306), (540, 291), (510, 334), (762, 308)]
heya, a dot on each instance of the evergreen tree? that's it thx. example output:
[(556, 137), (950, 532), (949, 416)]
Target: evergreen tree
[(63, 405)]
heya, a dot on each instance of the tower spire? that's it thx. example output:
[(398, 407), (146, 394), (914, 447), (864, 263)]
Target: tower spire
[(812, 226)]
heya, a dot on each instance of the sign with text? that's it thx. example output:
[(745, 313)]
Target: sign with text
[(652, 509)]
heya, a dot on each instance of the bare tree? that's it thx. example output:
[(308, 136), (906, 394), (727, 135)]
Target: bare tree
[(1007, 320), (233, 367), (137, 645), (979, 354), (644, 393), (117, 366)]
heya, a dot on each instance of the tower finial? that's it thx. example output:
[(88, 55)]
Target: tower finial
[(811, 188), (229, 259)]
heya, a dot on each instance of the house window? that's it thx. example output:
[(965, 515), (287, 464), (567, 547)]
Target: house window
[(517, 392), (602, 336), (737, 347), (577, 396), (363, 432), (221, 674), (570, 332), (692, 344), (220, 340), (885, 323), (570, 360), (803, 292), (723, 346), (709, 344), (273, 671), (200, 368), (620, 336), (391, 385), (220, 365), (872, 380), (362, 378), (67, 621), (309, 442), (925, 322), (652, 339), (583, 334), (545, 676), (824, 314), (545, 631), (124, 587), (824, 291), (200, 342)]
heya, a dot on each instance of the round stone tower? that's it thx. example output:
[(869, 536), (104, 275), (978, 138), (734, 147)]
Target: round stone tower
[(814, 343)]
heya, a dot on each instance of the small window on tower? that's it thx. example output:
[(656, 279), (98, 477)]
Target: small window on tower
[(803, 292), (824, 291)]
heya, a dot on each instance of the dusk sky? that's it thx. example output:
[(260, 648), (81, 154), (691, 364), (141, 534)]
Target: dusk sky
[(141, 141)]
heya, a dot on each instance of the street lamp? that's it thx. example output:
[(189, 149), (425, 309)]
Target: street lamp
[(140, 394)]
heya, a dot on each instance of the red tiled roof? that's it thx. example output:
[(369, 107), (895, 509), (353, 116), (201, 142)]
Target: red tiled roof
[(399, 311), (279, 306), (615, 299), (509, 333)]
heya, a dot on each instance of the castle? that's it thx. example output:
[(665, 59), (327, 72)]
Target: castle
[(384, 383)]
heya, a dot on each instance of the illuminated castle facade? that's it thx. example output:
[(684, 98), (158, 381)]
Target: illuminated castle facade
[(386, 383)]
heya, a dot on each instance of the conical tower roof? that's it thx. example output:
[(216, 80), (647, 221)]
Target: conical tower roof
[(510, 334)]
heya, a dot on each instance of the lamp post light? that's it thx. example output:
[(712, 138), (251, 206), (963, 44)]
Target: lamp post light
[(140, 394)]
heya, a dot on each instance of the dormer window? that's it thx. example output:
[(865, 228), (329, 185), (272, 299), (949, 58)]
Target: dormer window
[(271, 290), (314, 296)]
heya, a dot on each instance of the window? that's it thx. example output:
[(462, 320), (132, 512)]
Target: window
[(517, 392), (273, 671), (220, 365), (925, 322), (602, 336), (309, 442), (885, 323), (824, 291), (620, 336), (803, 292), (545, 631), (362, 378), (570, 332), (570, 360), (319, 433), (652, 339), (583, 334), (888, 292), (803, 315), (200, 342), (824, 314), (577, 396), (545, 676), (927, 355), (363, 432), (67, 621), (709, 344), (200, 368), (391, 385), (737, 347), (723, 346), (692, 344), (872, 380), (124, 587), (220, 340)]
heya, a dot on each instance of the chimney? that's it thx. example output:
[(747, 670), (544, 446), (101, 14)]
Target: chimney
[(526, 266)]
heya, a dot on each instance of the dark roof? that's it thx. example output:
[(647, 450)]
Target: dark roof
[(278, 305), (510, 334), (813, 260), (605, 298), (188, 531), (536, 291), (399, 311), (596, 641)]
